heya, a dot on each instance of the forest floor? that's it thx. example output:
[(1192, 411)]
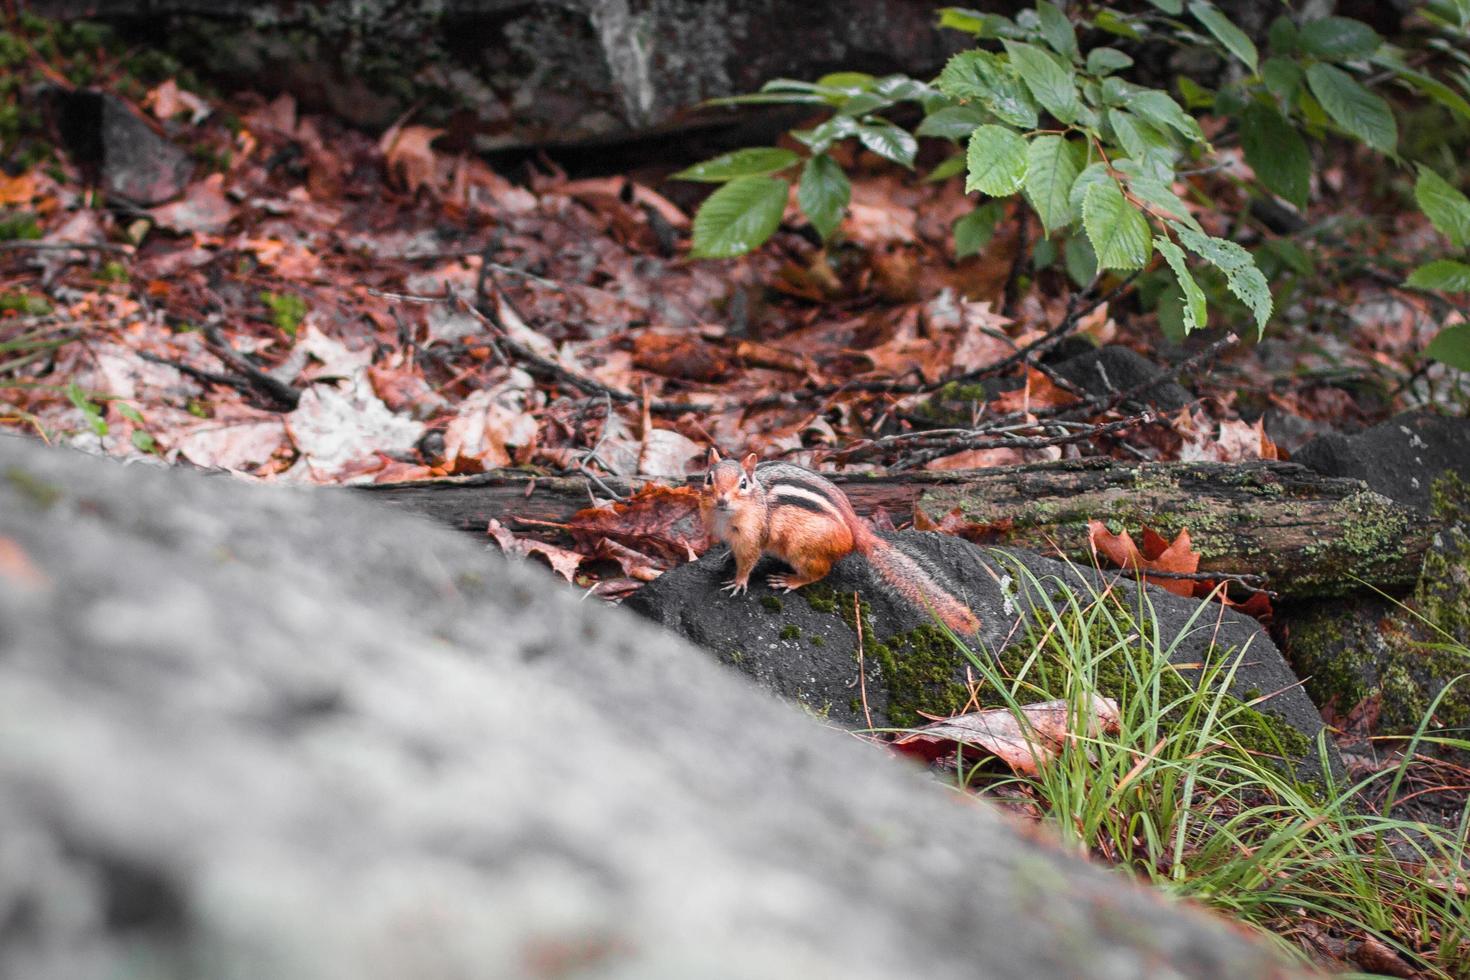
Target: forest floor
[(318, 305)]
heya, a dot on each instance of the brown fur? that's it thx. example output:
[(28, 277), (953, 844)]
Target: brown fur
[(737, 507)]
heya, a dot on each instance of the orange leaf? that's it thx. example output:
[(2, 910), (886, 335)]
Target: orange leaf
[(1178, 556), (1025, 744)]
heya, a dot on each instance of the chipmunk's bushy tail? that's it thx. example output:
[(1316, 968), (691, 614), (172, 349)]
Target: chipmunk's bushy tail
[(909, 579)]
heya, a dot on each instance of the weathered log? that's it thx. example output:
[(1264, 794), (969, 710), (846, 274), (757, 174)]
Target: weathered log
[(1308, 534)]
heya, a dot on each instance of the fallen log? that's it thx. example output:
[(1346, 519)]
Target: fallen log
[(1307, 534)]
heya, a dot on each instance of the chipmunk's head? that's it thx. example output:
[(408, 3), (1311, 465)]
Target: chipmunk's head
[(727, 482)]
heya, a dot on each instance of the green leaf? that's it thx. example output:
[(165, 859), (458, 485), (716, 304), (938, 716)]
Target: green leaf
[(820, 138), (1160, 109), (996, 161), (1172, 7), (1241, 275), (1444, 205), (1282, 35), (1338, 38), (973, 22), (975, 230), (1353, 107), (1451, 346), (1195, 310), (823, 193), (1051, 167), (738, 217), (1057, 30), (1234, 39), (756, 161), (983, 78), (1051, 81), (90, 411), (1093, 173), (1442, 275), (1161, 196), (1283, 76), (851, 81), (1118, 231), (1121, 25), (1105, 61), (1276, 152), (946, 169), (953, 122), (1080, 260), (128, 412), (143, 440), (1196, 96), (889, 141), (1134, 135), (1435, 89)]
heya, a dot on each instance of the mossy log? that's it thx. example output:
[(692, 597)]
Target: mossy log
[(1308, 534)]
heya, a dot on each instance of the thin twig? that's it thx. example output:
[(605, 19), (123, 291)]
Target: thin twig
[(1098, 404), (30, 245), (1020, 442)]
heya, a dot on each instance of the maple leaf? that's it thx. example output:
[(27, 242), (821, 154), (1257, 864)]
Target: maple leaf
[(410, 159), (1037, 392), (1157, 555), (1025, 743)]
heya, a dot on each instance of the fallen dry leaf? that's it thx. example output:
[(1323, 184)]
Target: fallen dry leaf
[(411, 160), (1025, 743), (1157, 555), (658, 520), (203, 208), (563, 561)]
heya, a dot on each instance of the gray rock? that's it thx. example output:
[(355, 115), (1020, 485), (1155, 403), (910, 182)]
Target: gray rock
[(133, 162), (1111, 369), (253, 732), (1400, 458), (804, 649)]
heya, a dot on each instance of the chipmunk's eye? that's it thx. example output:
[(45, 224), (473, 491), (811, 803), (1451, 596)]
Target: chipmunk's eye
[(743, 483), (709, 478)]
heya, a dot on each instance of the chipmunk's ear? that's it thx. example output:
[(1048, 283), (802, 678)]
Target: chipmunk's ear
[(748, 464), (714, 455)]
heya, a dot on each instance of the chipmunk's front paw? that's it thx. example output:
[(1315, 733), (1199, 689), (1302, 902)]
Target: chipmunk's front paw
[(735, 586)]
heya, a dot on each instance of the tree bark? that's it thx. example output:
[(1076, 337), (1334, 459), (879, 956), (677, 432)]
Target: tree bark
[(1308, 534)]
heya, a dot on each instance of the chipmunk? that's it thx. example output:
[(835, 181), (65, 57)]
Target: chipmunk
[(793, 514)]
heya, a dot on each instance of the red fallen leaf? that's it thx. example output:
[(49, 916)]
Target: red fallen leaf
[(976, 459), (660, 520), (679, 356), (203, 208), (1257, 606), (955, 523), (1025, 746), (1037, 392), (17, 190), (596, 190), (760, 355), (1159, 555), (563, 561), (411, 160), (635, 564)]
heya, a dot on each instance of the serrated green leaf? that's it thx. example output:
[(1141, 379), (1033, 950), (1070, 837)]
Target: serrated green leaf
[(823, 193), (1134, 135), (1093, 173), (1160, 109), (1435, 89), (1173, 7), (1353, 107), (1051, 167), (1118, 231), (955, 122), (1451, 346), (1444, 205), (984, 79), (862, 104), (1057, 29), (1441, 275), (1338, 38), (1105, 61), (889, 141), (851, 81), (1241, 275), (1276, 152), (974, 22), (1195, 310), (1283, 76), (975, 230), (738, 217), (1225, 31), (1080, 260), (755, 161), (820, 138), (947, 169), (1052, 81), (995, 161), (1168, 204)]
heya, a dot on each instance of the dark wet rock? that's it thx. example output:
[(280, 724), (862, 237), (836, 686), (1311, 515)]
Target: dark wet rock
[(1400, 458), (1392, 657), (249, 731), (130, 160), (803, 645), (1111, 369)]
